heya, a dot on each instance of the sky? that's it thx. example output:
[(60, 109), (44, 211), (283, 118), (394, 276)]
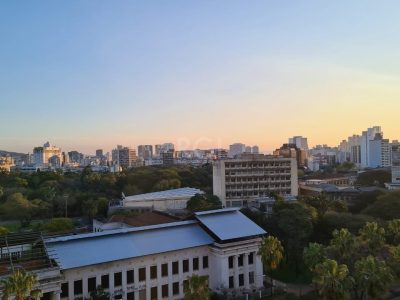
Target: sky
[(93, 74)]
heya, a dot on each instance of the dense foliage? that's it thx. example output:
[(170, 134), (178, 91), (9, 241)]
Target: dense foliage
[(28, 196)]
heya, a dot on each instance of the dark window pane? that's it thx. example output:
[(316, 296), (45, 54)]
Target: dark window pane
[(64, 290), (175, 267), (153, 272), (240, 260), (130, 277), (164, 270), (153, 293), (130, 296), (164, 291), (91, 284), (251, 277), (230, 262), (205, 262), (142, 274), (251, 258), (241, 280), (175, 288), (118, 279), (105, 281), (231, 282), (186, 265), (195, 264), (78, 287)]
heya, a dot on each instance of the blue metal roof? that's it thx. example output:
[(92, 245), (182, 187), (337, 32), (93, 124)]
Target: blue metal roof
[(78, 251), (229, 224)]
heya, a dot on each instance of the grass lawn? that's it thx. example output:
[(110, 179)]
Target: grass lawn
[(286, 273)]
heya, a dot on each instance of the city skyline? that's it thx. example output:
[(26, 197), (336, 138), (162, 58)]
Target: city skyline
[(94, 74)]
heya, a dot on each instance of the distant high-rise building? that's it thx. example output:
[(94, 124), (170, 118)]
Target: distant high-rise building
[(124, 157), (236, 149), (42, 155), (158, 149), (145, 151), (292, 151), (300, 142), (396, 162), (366, 137), (75, 157), (380, 152), (167, 157), (99, 153), (255, 150)]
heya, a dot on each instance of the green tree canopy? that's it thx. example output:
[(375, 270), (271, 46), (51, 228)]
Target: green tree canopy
[(201, 202), (59, 225), (196, 287), (387, 207)]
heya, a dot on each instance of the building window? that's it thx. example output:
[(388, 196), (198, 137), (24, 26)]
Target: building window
[(130, 277), (205, 262), (230, 262), (251, 258), (251, 277), (153, 293), (142, 295), (241, 280), (164, 270), (240, 260), (175, 267), (118, 279), (195, 264), (164, 291), (105, 281), (142, 274), (185, 265), (91, 284), (153, 272), (64, 290), (78, 288), (175, 288), (231, 282), (130, 296)]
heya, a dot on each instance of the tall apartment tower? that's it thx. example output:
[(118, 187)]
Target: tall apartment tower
[(366, 137), (396, 163), (125, 157), (239, 181), (47, 155), (236, 149), (380, 152), (145, 151), (300, 142)]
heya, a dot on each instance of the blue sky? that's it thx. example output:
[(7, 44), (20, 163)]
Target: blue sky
[(93, 74)]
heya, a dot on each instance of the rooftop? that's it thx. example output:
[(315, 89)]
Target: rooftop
[(229, 224), (101, 247), (163, 195)]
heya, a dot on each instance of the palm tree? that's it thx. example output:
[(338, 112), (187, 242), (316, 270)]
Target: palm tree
[(394, 230), (342, 245), (271, 251), (372, 277), (313, 255), (196, 287), (332, 280), (373, 236), (21, 285)]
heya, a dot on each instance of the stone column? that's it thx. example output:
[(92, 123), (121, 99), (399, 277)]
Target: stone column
[(246, 270), (56, 296), (236, 271)]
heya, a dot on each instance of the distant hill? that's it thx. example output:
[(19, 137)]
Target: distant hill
[(13, 154)]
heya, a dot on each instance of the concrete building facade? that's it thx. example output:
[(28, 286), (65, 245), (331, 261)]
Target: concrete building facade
[(250, 177)]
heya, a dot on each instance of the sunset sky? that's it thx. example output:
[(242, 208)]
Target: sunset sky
[(93, 74)]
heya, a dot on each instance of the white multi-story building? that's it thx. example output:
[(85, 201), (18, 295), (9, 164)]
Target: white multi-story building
[(380, 152), (153, 262), (237, 182), (366, 137), (236, 149), (395, 148), (43, 156)]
